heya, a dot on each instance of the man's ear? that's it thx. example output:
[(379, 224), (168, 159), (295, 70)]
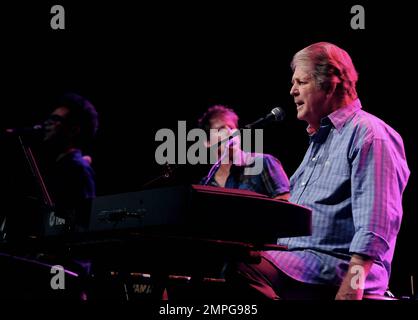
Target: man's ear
[(331, 89), (206, 143)]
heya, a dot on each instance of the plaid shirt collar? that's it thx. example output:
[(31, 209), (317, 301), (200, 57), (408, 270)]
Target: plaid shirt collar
[(337, 119)]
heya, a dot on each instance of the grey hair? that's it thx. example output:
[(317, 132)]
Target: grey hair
[(329, 64)]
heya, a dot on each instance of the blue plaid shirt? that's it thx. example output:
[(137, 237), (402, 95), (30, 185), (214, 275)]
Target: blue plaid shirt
[(352, 177), (271, 182)]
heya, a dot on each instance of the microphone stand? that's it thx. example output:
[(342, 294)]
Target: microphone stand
[(167, 173), (37, 175), (33, 165), (217, 164), (45, 195)]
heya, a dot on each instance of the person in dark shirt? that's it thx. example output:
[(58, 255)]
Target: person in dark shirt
[(70, 183), (68, 174)]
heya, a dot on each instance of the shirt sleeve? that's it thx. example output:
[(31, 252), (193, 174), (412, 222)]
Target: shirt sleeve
[(376, 187), (274, 177)]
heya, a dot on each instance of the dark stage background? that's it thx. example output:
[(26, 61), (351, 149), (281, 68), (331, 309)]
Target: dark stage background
[(147, 66)]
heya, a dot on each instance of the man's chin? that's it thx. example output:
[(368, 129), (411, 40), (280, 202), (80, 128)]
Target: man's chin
[(300, 116), (47, 136), (51, 141)]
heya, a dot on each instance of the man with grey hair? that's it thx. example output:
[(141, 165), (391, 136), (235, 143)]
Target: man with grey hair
[(352, 177)]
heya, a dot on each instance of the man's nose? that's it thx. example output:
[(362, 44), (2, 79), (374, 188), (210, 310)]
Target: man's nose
[(293, 90)]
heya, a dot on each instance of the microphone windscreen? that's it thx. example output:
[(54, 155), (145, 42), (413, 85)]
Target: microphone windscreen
[(278, 113)]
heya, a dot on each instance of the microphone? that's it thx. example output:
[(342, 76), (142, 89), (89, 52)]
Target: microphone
[(277, 114), (25, 130)]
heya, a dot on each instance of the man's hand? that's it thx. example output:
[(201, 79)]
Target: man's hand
[(283, 196), (352, 287), (347, 292)]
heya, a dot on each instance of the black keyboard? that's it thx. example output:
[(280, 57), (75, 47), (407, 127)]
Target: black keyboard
[(202, 212)]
